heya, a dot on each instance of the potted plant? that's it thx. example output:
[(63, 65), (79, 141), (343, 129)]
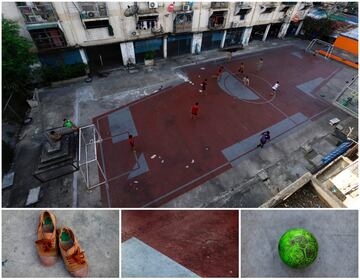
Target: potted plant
[(149, 58)]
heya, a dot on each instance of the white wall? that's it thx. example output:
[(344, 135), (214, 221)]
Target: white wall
[(127, 52), (123, 27)]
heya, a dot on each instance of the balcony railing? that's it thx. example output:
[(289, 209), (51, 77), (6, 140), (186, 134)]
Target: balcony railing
[(92, 10), (219, 5), (183, 22), (38, 13), (48, 38)]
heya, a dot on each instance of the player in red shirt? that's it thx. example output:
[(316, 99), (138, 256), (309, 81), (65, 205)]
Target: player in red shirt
[(194, 110), (131, 142), (219, 72)]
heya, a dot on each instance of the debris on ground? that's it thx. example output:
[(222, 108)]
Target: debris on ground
[(306, 197)]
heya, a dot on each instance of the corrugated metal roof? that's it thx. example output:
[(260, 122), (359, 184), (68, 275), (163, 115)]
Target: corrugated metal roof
[(353, 34)]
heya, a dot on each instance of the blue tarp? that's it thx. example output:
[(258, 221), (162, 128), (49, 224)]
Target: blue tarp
[(337, 152)]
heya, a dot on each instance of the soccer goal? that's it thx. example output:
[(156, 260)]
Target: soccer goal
[(90, 168), (92, 157), (317, 46)]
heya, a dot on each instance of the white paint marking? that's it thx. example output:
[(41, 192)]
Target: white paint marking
[(153, 156)]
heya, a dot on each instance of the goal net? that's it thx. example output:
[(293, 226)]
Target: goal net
[(90, 168)]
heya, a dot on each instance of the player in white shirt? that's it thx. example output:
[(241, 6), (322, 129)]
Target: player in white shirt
[(275, 88)]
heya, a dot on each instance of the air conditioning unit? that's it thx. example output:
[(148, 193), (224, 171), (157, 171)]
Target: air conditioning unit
[(186, 8), (90, 14), (153, 5)]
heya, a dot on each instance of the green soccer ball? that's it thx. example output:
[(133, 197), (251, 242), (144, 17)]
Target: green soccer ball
[(298, 248)]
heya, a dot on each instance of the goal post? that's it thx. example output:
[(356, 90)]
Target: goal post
[(89, 166), (92, 161)]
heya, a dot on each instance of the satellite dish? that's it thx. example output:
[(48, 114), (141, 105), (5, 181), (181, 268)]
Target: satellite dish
[(131, 11)]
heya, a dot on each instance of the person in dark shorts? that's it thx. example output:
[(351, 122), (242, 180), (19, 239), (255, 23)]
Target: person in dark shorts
[(242, 67), (219, 71), (265, 137), (195, 110), (131, 142), (275, 88), (203, 87)]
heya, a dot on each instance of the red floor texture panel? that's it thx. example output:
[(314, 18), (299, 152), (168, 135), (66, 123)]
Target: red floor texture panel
[(165, 128), (206, 242)]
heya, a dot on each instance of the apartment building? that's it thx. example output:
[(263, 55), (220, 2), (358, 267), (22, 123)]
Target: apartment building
[(110, 34)]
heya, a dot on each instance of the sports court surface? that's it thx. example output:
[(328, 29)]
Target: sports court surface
[(179, 243), (176, 153)]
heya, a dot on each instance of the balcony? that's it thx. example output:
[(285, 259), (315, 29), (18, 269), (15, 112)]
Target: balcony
[(217, 20), (183, 22), (38, 13), (219, 5), (48, 38), (149, 24), (92, 10)]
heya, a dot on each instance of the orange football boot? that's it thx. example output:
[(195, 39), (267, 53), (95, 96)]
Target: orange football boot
[(46, 244), (74, 258)]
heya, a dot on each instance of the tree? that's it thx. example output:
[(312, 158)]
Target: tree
[(17, 57), (318, 28)]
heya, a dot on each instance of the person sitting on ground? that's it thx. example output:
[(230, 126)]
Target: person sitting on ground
[(54, 136), (69, 124)]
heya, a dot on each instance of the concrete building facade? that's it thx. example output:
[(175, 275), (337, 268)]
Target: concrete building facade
[(111, 34)]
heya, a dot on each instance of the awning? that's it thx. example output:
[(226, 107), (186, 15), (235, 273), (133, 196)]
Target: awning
[(36, 26)]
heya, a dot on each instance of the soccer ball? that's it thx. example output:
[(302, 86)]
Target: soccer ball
[(298, 248)]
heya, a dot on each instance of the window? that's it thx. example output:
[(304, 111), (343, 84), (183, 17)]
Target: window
[(268, 10), (285, 9), (96, 24), (217, 20), (242, 13), (147, 22), (93, 9)]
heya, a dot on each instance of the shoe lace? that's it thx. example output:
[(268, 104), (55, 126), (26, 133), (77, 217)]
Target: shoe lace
[(77, 258), (46, 244)]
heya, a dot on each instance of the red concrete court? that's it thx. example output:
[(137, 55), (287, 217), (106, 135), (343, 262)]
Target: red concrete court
[(206, 242), (164, 126)]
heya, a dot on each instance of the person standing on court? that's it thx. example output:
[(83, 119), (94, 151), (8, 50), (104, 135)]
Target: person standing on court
[(259, 65), (195, 110), (275, 88), (241, 69), (219, 71), (203, 87), (131, 142), (265, 136), (247, 81)]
